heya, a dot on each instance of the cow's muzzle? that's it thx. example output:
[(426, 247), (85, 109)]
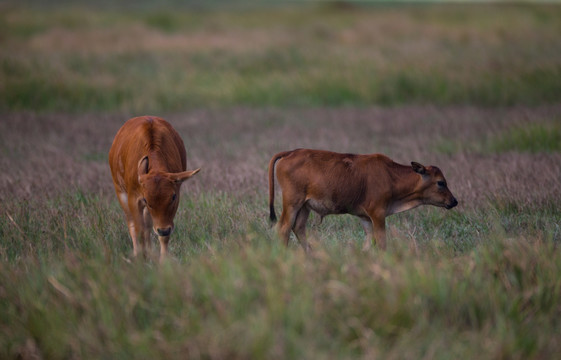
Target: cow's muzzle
[(163, 231)]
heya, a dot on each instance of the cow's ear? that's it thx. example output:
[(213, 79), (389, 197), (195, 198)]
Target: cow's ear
[(418, 168), (182, 176), (143, 166)]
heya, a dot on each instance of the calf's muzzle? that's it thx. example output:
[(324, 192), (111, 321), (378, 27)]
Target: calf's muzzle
[(452, 204)]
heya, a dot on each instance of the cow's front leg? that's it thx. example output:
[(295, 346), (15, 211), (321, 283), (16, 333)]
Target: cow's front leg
[(145, 243), (164, 240), (133, 223), (134, 236), (139, 235), (136, 229)]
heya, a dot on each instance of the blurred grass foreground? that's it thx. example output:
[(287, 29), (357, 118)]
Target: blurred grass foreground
[(147, 59)]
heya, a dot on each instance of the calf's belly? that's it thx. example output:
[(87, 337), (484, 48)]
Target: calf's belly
[(326, 207)]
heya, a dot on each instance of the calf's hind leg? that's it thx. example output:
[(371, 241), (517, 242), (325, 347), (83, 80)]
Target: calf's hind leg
[(288, 216), (299, 227), (290, 210)]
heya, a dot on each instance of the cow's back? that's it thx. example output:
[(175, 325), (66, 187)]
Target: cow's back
[(145, 136)]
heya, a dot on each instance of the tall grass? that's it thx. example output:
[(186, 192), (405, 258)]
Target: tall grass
[(93, 60), (72, 290)]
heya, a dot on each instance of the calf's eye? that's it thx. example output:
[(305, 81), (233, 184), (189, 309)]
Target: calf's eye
[(173, 197), (441, 183)]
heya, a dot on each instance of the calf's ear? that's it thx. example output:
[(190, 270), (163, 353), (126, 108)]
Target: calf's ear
[(418, 168), (143, 166), (182, 176)]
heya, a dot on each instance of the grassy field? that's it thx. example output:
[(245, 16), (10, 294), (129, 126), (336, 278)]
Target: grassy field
[(472, 89), (71, 59)]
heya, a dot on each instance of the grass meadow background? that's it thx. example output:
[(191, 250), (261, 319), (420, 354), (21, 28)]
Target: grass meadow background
[(472, 88)]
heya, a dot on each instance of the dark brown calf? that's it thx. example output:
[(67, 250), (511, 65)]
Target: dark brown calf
[(148, 164), (371, 187)]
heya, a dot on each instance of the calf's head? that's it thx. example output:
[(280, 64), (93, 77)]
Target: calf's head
[(434, 188), (160, 195)]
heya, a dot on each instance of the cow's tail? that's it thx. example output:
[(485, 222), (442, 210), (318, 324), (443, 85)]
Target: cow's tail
[(274, 159)]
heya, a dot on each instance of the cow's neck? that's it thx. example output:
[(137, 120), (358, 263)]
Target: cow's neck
[(405, 192)]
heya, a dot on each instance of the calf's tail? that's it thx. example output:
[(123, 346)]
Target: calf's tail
[(274, 159)]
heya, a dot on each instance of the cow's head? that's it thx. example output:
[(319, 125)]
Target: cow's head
[(434, 188), (160, 195)]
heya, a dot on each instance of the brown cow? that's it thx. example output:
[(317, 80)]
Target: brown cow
[(371, 187), (148, 164)]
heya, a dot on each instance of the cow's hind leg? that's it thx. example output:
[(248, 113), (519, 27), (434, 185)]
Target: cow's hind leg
[(299, 227)]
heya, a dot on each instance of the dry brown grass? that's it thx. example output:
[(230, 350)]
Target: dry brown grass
[(44, 155), (124, 40)]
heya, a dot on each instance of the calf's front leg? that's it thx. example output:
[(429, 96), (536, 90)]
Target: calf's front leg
[(375, 228), (369, 234), (380, 232)]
